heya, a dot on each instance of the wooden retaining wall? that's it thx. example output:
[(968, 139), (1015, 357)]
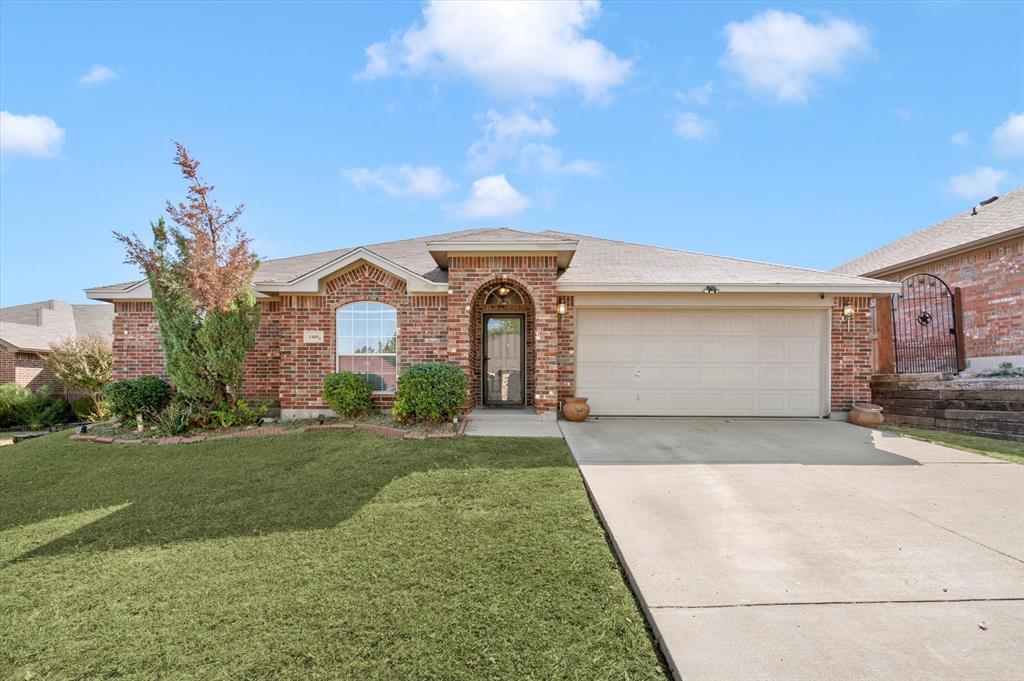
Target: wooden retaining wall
[(976, 406)]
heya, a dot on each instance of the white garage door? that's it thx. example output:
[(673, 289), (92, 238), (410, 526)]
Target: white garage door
[(694, 362)]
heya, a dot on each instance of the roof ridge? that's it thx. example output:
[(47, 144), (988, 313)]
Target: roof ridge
[(713, 255)]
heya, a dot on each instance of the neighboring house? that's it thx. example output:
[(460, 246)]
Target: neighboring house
[(981, 251), (535, 318), (26, 332)]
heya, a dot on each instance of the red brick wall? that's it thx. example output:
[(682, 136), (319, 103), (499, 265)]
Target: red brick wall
[(6, 366), (852, 342), (535, 276), (992, 282), (137, 350), (263, 364), (567, 349), (422, 331)]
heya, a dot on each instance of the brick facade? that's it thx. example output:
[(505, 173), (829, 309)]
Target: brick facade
[(852, 349), (992, 283), (137, 350), (535, 277), (286, 368), (27, 369)]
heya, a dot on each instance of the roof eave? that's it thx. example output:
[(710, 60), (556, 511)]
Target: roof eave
[(939, 255), (564, 250), (850, 288), (310, 281)]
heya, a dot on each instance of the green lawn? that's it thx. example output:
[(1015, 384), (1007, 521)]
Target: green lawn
[(336, 555), (997, 449)]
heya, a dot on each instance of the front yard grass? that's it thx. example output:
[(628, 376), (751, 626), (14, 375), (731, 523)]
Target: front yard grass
[(336, 555), (997, 449)]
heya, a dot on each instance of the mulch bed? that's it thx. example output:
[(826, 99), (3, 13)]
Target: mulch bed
[(257, 431)]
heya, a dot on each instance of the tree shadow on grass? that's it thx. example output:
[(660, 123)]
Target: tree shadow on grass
[(229, 488)]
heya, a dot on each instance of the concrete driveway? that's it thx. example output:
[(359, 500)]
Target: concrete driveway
[(808, 549)]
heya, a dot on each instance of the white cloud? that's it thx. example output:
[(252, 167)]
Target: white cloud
[(503, 135), (404, 180), (1008, 138), (979, 184), (693, 127), (960, 139), (782, 53), (699, 95), (547, 159), (492, 196), (512, 48), (97, 74), (30, 135)]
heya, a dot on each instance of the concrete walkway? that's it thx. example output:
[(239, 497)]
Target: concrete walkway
[(511, 422), (794, 549)]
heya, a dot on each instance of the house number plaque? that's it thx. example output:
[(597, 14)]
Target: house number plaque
[(313, 336)]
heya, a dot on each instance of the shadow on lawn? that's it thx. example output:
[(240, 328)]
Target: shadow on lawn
[(229, 488)]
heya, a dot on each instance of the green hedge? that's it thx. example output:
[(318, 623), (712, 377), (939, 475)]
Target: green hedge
[(430, 392), (23, 407), (146, 395), (348, 394)]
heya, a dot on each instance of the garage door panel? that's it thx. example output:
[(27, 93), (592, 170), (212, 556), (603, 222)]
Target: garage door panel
[(700, 362)]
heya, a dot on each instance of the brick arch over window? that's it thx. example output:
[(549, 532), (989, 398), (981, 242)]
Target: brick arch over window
[(422, 335), (478, 308)]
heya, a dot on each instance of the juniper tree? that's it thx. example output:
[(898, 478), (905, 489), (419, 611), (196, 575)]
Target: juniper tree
[(200, 271)]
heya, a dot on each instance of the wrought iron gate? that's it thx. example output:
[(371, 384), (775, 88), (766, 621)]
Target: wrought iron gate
[(924, 326)]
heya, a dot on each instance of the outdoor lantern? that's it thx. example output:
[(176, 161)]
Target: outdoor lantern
[(561, 308), (710, 289), (848, 311)]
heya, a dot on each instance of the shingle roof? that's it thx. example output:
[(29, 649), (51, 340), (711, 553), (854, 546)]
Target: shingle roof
[(596, 261), (1002, 215), (32, 327), (603, 261)]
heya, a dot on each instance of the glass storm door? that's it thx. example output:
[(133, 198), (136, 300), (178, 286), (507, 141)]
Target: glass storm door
[(504, 351)]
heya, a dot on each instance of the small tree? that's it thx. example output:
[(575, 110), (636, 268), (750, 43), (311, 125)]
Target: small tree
[(200, 272), (85, 363)]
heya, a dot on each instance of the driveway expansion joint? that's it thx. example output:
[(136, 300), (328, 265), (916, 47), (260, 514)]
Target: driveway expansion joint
[(866, 602)]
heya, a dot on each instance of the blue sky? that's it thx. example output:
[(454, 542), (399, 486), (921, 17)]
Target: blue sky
[(803, 134)]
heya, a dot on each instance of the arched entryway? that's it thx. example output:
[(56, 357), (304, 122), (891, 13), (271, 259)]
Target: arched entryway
[(502, 345)]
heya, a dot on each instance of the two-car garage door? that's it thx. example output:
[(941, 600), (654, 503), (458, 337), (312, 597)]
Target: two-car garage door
[(701, 362)]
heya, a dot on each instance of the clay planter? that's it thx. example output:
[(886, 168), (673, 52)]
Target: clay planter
[(576, 408), (867, 415)]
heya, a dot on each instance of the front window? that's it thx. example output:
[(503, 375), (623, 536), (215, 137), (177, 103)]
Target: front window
[(368, 341)]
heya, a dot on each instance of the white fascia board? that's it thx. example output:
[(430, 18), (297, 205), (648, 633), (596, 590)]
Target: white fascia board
[(310, 282), (855, 289), (139, 291), (563, 249)]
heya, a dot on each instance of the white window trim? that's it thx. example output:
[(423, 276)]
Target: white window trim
[(337, 343)]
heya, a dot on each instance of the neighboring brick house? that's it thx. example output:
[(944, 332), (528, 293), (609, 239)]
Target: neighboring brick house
[(534, 318), (980, 251), (26, 332)]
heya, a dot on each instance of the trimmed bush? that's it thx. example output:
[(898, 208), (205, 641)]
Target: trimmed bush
[(430, 392), (348, 394), (146, 395)]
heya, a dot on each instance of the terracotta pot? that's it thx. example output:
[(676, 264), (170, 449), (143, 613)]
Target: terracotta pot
[(576, 408), (867, 415)]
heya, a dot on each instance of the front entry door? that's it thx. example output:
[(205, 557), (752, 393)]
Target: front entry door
[(504, 352)]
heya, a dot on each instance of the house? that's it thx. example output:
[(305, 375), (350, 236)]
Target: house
[(981, 252), (533, 318), (26, 332)]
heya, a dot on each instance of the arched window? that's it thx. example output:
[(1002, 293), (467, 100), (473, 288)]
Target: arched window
[(368, 343), (503, 295)]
